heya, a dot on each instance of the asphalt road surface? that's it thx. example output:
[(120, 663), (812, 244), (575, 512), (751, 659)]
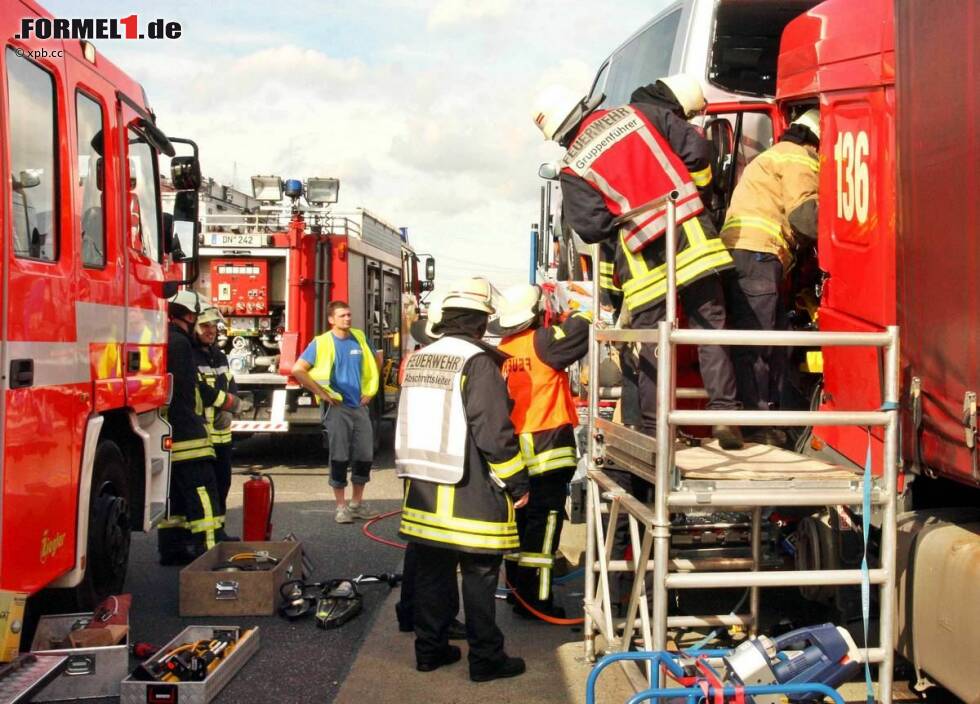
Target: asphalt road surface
[(296, 662)]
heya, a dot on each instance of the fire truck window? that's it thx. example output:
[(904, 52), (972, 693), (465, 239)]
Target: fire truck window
[(33, 160), (143, 184), (91, 180), (643, 60)]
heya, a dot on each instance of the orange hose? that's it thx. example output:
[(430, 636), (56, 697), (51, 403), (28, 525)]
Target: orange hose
[(554, 620)]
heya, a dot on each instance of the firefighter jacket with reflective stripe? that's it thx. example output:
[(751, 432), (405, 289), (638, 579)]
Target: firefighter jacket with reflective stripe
[(323, 368), (643, 275), (630, 163), (773, 185), (477, 513), (538, 386), (185, 413), (216, 382), (430, 432)]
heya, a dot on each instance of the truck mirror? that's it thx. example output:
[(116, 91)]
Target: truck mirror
[(430, 269), (27, 179), (185, 173), (549, 170), (184, 238)]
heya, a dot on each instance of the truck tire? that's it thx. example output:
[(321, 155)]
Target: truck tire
[(109, 528), (569, 263)]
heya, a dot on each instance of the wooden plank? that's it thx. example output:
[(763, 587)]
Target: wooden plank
[(755, 462)]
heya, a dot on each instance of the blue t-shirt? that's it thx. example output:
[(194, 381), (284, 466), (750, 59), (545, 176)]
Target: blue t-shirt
[(345, 377)]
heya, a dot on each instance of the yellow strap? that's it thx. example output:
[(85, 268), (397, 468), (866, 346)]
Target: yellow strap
[(508, 542), (559, 333), (508, 468), (465, 525), (687, 258), (807, 161), (703, 177), (206, 524)]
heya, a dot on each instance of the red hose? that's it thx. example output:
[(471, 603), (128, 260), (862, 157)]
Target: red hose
[(366, 530)]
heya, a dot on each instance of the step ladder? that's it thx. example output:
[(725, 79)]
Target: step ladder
[(751, 478)]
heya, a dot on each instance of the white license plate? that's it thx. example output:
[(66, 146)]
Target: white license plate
[(230, 239), (304, 401)]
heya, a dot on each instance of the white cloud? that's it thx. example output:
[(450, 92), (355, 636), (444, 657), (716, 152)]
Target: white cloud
[(452, 12), (420, 108)]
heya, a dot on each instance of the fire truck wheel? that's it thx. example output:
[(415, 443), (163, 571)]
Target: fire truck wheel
[(108, 527)]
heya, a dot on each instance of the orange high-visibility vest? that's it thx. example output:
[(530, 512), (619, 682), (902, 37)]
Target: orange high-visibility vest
[(542, 397), (625, 158)]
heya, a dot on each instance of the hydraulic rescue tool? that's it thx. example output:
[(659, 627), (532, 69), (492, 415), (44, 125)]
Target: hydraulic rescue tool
[(190, 662), (333, 603)]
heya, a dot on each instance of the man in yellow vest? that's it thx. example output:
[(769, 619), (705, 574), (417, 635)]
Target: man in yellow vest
[(341, 368), (773, 212), (544, 418)]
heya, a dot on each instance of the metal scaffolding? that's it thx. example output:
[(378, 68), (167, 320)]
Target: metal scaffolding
[(661, 460)]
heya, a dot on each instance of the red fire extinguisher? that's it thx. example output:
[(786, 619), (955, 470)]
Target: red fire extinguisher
[(259, 497)]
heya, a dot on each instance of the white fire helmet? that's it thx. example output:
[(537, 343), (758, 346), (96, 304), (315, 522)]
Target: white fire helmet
[(189, 300), (687, 90), (552, 108), (519, 305), (811, 120), (434, 317), (210, 315), (474, 293)]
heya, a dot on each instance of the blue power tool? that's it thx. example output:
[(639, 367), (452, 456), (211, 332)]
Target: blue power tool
[(824, 654)]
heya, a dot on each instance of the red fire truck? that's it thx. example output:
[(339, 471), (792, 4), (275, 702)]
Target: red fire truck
[(273, 271), (86, 260), (899, 245)]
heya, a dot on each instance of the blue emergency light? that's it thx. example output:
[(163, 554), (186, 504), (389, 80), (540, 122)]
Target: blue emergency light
[(292, 187)]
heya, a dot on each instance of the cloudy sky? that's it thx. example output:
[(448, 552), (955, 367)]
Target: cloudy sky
[(420, 107)]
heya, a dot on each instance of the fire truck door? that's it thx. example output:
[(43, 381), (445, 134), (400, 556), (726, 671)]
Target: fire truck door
[(44, 383), (100, 263), (856, 247), (144, 359)]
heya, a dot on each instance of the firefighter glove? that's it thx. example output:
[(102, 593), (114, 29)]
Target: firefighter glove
[(222, 420)]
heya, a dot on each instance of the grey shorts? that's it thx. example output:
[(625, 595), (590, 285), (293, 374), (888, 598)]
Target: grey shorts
[(349, 433)]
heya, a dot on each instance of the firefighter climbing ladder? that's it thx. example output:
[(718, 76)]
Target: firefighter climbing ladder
[(755, 477)]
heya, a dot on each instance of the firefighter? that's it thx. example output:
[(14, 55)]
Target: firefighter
[(544, 417), (618, 162), (194, 517), (423, 331), (341, 368), (456, 448), (219, 393), (773, 212)]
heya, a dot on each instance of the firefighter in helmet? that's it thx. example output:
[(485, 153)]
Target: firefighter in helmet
[(219, 393), (456, 448), (194, 517), (618, 166), (772, 214), (544, 417)]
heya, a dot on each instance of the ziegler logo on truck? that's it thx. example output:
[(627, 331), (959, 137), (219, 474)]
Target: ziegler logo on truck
[(49, 546)]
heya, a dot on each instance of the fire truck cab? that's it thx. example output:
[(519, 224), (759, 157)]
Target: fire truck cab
[(86, 262)]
